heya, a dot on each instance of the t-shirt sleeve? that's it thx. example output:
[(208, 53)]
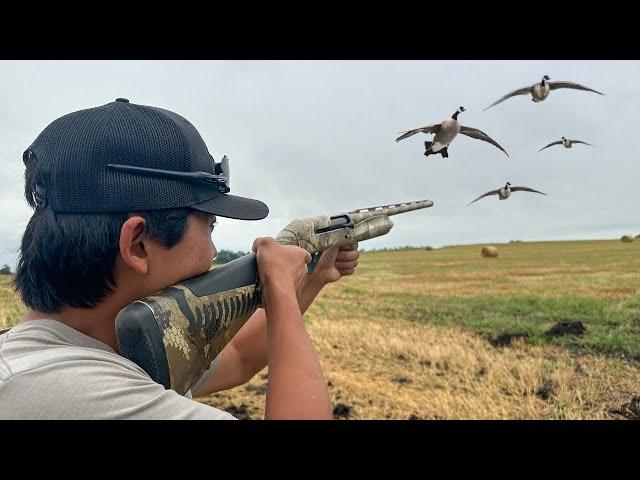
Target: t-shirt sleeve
[(94, 389)]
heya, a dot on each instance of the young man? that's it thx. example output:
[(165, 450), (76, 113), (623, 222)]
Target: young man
[(120, 214)]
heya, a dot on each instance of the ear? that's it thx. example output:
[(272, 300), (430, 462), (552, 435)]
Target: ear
[(133, 249)]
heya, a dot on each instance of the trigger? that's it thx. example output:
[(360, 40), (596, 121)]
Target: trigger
[(314, 260)]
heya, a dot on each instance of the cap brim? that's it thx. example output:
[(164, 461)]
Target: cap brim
[(232, 206)]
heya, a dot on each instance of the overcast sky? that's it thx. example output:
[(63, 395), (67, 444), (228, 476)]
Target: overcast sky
[(317, 137)]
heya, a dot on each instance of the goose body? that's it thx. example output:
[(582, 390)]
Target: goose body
[(565, 142), (505, 192), (449, 129), (540, 91), (445, 132)]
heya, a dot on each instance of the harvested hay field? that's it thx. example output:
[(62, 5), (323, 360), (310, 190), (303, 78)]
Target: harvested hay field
[(549, 330), (396, 369)]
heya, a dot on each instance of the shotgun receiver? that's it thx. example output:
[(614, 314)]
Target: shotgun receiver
[(175, 334)]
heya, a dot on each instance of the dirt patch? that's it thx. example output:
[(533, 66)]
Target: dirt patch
[(506, 339), (414, 417), (239, 412), (565, 328), (545, 390), (401, 380), (630, 411), (342, 411)]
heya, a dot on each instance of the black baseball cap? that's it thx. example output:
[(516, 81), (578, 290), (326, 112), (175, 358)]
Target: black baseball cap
[(123, 157)]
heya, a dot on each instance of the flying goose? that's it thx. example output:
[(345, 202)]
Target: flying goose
[(565, 142), (504, 192), (540, 91), (445, 132)]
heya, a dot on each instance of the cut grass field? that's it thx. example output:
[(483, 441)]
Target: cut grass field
[(412, 334)]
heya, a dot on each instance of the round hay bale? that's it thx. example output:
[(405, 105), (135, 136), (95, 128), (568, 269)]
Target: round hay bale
[(428, 247), (489, 252), (626, 239)]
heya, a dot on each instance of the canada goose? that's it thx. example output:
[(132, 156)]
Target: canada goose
[(540, 91), (445, 132), (565, 142), (504, 192)]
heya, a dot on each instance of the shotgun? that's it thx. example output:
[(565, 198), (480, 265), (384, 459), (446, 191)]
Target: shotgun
[(175, 334)]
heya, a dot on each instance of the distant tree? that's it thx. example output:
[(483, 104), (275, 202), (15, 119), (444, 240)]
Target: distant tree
[(5, 270), (225, 256)]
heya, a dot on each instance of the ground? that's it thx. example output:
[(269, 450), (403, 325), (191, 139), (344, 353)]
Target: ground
[(546, 330)]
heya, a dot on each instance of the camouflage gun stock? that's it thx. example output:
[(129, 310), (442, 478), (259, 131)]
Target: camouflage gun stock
[(175, 334)]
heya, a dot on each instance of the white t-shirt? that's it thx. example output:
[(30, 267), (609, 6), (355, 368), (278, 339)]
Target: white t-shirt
[(48, 370)]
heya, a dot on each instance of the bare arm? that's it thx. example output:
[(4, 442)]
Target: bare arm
[(296, 388)]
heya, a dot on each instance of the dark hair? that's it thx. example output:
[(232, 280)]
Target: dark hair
[(68, 259)]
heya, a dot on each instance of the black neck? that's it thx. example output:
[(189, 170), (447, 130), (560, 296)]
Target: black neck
[(543, 82), (455, 115)]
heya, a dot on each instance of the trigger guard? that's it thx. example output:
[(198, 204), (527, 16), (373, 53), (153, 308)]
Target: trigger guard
[(312, 264)]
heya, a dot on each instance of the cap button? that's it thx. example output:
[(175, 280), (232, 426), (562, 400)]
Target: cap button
[(125, 100)]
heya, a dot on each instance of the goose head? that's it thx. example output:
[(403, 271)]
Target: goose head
[(458, 112), (507, 185), (545, 78)]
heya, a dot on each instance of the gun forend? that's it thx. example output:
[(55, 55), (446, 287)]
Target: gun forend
[(317, 234)]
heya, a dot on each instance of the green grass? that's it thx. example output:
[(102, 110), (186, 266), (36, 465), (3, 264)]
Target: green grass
[(612, 327), (527, 289)]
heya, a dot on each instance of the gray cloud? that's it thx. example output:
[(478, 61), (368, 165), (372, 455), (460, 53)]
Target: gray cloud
[(312, 137)]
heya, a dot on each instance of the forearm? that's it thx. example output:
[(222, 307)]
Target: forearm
[(246, 354), (296, 388), (243, 357), (309, 292)]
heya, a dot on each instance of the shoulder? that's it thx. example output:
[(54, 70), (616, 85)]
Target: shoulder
[(75, 382), (96, 390)]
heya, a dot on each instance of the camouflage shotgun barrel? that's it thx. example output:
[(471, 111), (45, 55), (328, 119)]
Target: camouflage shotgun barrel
[(175, 334)]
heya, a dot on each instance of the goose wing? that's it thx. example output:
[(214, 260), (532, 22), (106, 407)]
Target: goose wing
[(492, 192), (525, 189), (480, 135), (575, 86), (558, 142), (435, 128), (580, 141), (518, 91)]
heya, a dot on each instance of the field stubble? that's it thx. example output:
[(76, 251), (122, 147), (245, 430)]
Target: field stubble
[(409, 335)]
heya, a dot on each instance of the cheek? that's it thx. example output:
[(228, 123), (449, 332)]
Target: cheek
[(198, 254), (204, 251)]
